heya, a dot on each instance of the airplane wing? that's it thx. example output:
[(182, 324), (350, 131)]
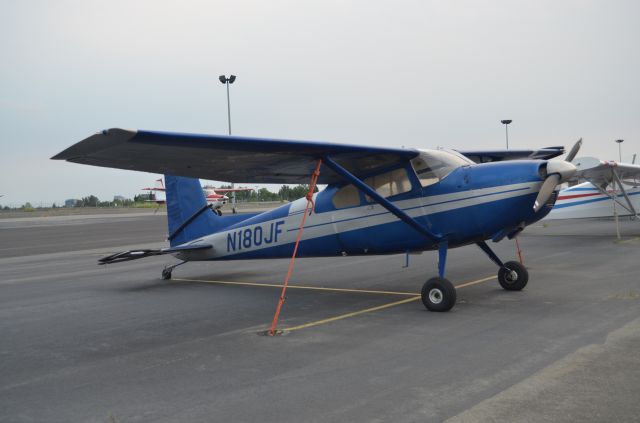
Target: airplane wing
[(601, 173), (227, 158), (484, 156)]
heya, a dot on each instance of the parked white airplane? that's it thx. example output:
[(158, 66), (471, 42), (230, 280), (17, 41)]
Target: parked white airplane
[(611, 189), (214, 199), (586, 200)]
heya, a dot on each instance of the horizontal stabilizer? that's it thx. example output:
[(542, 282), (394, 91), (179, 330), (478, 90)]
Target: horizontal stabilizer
[(128, 255), (190, 247), (138, 254)]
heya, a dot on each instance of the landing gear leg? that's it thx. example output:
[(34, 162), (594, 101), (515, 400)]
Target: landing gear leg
[(438, 294), (166, 272), (512, 275)]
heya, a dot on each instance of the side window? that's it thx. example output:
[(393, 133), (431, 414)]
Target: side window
[(347, 196), (426, 175), (390, 183)]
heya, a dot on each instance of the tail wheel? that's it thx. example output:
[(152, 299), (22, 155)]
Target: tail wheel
[(513, 276), (438, 294)]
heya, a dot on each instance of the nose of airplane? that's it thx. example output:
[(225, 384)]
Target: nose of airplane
[(556, 173)]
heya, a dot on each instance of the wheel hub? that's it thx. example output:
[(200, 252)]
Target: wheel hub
[(511, 275), (435, 296)]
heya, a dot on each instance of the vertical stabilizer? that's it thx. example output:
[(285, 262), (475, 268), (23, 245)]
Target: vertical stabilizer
[(185, 198)]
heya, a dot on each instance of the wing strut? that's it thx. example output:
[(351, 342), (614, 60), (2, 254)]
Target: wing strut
[(624, 192), (615, 180), (381, 200), (613, 196)]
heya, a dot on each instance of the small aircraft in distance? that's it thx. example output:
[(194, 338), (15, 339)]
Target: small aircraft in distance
[(377, 200), (611, 189), (214, 199), (217, 200), (159, 187)]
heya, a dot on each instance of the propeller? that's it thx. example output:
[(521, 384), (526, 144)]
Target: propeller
[(574, 151), (557, 173)]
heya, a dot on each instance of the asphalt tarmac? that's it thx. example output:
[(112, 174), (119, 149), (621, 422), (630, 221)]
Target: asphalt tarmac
[(86, 343)]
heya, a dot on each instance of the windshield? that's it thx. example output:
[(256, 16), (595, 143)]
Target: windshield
[(432, 166)]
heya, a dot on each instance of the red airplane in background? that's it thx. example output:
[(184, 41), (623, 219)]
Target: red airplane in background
[(213, 196)]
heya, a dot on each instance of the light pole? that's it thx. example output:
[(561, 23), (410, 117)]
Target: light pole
[(226, 81), (620, 149), (506, 123)]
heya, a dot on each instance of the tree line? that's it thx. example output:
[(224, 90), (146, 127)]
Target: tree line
[(285, 193)]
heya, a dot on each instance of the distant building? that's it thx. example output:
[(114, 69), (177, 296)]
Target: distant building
[(70, 202), (118, 198)]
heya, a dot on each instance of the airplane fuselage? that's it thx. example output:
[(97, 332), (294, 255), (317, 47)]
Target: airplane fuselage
[(471, 204)]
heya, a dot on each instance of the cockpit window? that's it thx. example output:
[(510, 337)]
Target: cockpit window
[(432, 166)]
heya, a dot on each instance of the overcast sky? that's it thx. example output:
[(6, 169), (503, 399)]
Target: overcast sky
[(413, 73)]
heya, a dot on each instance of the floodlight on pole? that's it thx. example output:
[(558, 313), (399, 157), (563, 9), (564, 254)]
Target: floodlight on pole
[(506, 123), (226, 81), (620, 149)]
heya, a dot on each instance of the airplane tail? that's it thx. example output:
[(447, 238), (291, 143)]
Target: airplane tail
[(188, 215)]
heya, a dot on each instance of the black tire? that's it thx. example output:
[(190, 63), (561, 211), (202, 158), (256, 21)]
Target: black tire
[(438, 294), (513, 281), (219, 212), (166, 274)]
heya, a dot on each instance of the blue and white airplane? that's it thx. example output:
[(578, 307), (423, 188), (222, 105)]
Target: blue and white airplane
[(377, 200)]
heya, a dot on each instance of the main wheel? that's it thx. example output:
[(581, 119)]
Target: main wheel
[(166, 274), (438, 294), (219, 212), (513, 276)]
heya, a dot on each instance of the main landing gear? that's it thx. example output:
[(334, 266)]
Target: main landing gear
[(438, 294)]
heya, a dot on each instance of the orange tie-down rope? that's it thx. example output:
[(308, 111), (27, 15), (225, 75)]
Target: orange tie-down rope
[(310, 205)]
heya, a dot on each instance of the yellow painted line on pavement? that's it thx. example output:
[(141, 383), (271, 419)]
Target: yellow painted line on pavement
[(414, 296), (312, 288), (352, 314), (629, 240), (488, 278), (381, 307)]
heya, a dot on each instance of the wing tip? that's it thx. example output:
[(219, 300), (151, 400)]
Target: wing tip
[(96, 142)]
